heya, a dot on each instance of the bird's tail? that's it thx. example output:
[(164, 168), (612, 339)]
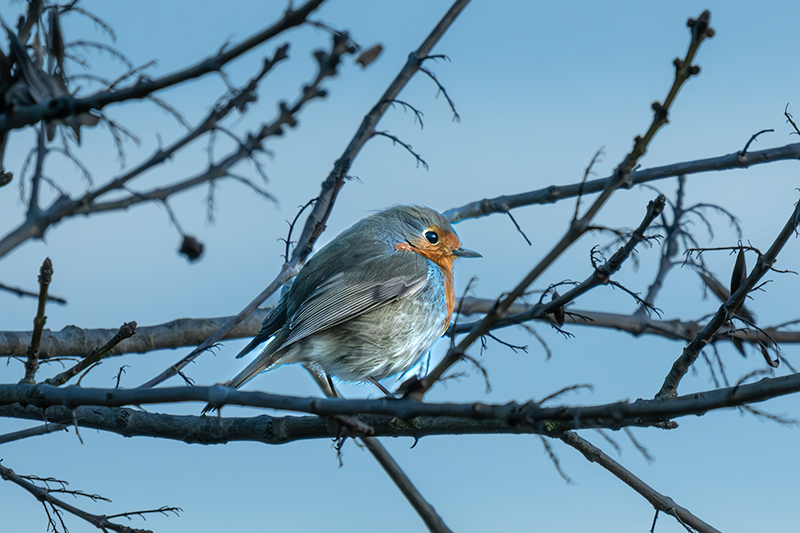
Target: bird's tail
[(266, 360)]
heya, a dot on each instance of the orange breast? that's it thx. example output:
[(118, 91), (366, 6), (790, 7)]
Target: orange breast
[(445, 264)]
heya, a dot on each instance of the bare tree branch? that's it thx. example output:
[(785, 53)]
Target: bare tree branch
[(423, 508), (43, 495), (613, 415), (662, 503), (43, 429), (725, 311), (81, 342), (683, 71), (555, 193), (315, 223), (32, 361), (39, 220), (125, 331), (69, 105)]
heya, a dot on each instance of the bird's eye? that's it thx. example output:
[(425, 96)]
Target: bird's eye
[(432, 237)]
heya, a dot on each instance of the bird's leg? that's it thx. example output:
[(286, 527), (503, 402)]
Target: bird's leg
[(382, 388), (323, 380), (334, 392)]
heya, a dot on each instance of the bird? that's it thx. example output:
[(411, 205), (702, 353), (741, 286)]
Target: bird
[(368, 304)]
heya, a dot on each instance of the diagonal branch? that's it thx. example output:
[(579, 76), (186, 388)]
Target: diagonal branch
[(662, 503), (43, 495), (37, 222), (335, 180), (315, 223), (683, 71), (43, 429), (125, 331), (600, 276), (22, 292), (726, 310), (424, 509)]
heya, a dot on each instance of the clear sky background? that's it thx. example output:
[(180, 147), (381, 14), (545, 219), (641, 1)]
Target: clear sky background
[(540, 86)]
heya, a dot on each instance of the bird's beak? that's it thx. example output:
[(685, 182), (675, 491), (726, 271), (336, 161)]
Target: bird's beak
[(463, 252)]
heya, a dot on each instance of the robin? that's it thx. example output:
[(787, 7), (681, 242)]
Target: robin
[(369, 304)]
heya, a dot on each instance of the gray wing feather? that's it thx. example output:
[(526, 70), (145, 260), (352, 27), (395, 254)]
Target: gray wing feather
[(272, 323), (341, 298)]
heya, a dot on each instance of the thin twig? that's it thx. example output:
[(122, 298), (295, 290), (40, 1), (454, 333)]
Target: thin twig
[(555, 193), (753, 138), (125, 331), (725, 312), (43, 429), (32, 362), (22, 292), (659, 501), (43, 495)]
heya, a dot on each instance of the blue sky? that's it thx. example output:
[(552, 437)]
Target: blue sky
[(540, 87)]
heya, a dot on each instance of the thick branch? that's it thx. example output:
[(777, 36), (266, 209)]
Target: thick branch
[(265, 429), (613, 415), (392, 418), (81, 342)]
